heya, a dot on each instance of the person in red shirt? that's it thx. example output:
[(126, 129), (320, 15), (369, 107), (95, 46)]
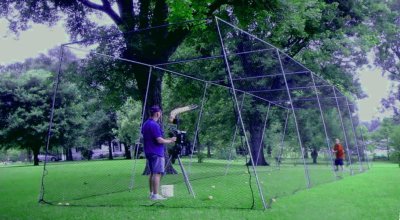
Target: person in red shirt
[(338, 150)]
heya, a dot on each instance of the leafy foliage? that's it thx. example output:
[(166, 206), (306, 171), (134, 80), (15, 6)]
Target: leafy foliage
[(25, 108)]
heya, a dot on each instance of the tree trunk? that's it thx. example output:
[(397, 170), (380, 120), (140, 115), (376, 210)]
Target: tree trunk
[(68, 154), (208, 150), (256, 146), (35, 156), (305, 153), (269, 151), (127, 151), (314, 160), (29, 155), (110, 151), (387, 149)]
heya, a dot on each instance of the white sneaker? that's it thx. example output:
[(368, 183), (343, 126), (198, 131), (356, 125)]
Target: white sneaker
[(157, 197), (150, 195)]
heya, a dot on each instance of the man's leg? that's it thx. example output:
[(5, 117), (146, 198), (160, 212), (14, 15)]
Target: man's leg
[(341, 164), (158, 170), (336, 165), (151, 183), (156, 183)]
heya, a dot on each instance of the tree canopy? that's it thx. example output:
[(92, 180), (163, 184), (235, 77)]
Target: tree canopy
[(331, 37)]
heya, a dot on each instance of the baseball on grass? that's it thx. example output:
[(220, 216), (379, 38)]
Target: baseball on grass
[(213, 186), (210, 197)]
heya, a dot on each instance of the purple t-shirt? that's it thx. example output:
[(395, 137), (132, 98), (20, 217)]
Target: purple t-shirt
[(151, 130)]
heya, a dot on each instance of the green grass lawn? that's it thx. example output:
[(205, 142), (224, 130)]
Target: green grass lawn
[(98, 190)]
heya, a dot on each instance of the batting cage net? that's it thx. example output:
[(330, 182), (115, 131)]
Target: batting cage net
[(252, 124)]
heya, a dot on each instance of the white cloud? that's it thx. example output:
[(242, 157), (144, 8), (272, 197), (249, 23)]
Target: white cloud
[(38, 39), (377, 87)]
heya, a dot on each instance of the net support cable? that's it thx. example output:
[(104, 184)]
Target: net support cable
[(53, 101)]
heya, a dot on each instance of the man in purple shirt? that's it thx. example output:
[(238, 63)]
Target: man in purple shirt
[(154, 150)]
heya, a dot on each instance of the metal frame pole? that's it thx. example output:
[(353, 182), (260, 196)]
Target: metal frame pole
[(355, 136), (234, 138), (324, 124), (197, 126), (140, 131), (239, 113), (186, 178), (53, 100), (364, 149), (344, 130), (282, 140), (295, 120), (263, 133), (180, 74)]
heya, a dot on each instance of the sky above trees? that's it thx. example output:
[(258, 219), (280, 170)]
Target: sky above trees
[(41, 38)]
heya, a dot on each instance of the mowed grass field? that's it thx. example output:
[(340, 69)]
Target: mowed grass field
[(98, 190)]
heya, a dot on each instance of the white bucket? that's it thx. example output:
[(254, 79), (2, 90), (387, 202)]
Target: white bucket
[(167, 190)]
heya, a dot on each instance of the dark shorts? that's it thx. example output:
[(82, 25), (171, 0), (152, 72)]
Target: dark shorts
[(156, 164), (338, 162)]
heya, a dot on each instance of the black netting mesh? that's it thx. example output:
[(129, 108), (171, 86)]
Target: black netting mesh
[(263, 127)]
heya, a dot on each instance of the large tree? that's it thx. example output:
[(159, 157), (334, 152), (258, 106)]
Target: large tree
[(25, 111), (128, 15), (299, 27)]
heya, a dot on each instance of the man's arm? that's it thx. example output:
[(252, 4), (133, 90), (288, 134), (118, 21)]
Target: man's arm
[(161, 140), (157, 134)]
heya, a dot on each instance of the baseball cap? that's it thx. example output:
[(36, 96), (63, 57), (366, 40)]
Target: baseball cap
[(155, 108)]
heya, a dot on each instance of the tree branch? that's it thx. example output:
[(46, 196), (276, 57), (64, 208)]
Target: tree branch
[(174, 39), (160, 13), (91, 5), (215, 5), (126, 12), (106, 8), (144, 14)]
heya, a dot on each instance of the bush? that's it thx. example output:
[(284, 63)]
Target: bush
[(379, 157), (200, 157), (10, 155), (395, 157), (225, 154), (87, 154)]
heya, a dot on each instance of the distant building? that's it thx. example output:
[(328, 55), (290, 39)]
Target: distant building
[(118, 150)]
